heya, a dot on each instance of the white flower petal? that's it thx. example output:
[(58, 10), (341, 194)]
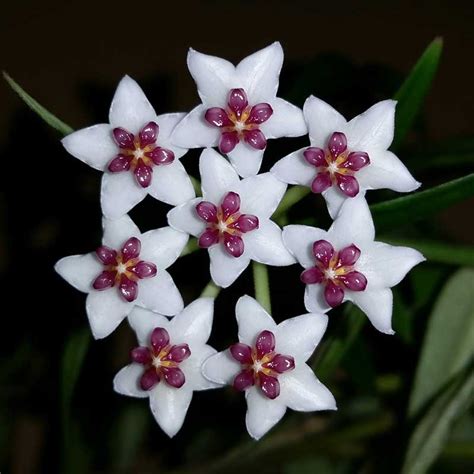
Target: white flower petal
[(192, 367), (322, 121), (385, 265), (287, 120), (335, 198), (218, 177), (299, 240), (372, 129), (213, 77), (120, 193), (386, 171), (143, 321), (221, 368), (169, 406), (262, 413), (314, 299), (167, 123), (194, 132), (265, 245), (260, 195), (300, 390), (225, 269), (300, 335), (118, 231), (353, 225), (130, 108), (162, 246), (185, 219), (171, 184), (159, 294), (93, 145), (194, 323), (106, 310), (294, 169), (252, 319), (377, 305), (80, 270), (127, 381), (245, 159), (260, 72)]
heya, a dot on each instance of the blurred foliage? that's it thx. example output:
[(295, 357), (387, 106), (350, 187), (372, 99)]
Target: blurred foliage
[(404, 406)]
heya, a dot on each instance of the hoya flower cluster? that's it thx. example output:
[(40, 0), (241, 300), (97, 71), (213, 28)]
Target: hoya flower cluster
[(126, 276)]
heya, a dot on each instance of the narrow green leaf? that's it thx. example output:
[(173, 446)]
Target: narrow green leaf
[(404, 209), (191, 247), (431, 433), (448, 344), (439, 252), (47, 116), (411, 94), (262, 285), (211, 290), (291, 197)]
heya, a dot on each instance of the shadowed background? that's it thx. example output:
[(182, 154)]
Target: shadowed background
[(70, 57)]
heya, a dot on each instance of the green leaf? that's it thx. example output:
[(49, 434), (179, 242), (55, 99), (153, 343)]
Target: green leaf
[(411, 94), (448, 344), (433, 429), (439, 252), (73, 357), (47, 116), (262, 285), (291, 197), (211, 290), (404, 209)]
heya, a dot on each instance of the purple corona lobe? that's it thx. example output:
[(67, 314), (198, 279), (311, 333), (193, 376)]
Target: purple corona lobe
[(335, 270), (139, 154), (225, 224), (161, 360), (239, 121), (336, 165), (261, 366)]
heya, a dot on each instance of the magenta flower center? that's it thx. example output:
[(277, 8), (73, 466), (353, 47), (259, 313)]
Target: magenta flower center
[(239, 121), (139, 154), (161, 360), (261, 365), (335, 270), (336, 165), (123, 269), (225, 224)]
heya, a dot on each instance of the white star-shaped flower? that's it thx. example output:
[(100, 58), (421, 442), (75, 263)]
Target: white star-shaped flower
[(346, 158), (268, 364), (128, 269), (135, 153), (232, 219), (166, 367), (239, 109), (345, 264)]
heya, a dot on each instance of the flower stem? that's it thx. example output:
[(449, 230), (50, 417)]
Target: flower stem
[(262, 285), (211, 290)]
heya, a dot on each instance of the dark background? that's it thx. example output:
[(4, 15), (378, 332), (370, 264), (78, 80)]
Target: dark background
[(70, 56)]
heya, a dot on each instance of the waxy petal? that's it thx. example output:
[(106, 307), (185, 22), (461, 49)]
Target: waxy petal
[(225, 268), (106, 255), (127, 381), (228, 141), (312, 275), (233, 244), (356, 160), (237, 101), (321, 182), (347, 184), (269, 385), (315, 156), (337, 144), (244, 380), (140, 355), (221, 368), (323, 251), (123, 138), (377, 305), (149, 379), (245, 159), (105, 280), (174, 376), (354, 281), (120, 163), (230, 204), (286, 121), (260, 113), (161, 156), (207, 211), (144, 269), (79, 270), (333, 294), (118, 231), (348, 256), (143, 174), (255, 138), (265, 343), (299, 240), (128, 289), (245, 223), (217, 117), (148, 134), (281, 363), (252, 320), (159, 339), (294, 169), (131, 249), (208, 238), (241, 353), (179, 353)]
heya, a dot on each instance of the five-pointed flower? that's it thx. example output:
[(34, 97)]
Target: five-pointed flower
[(346, 158), (345, 264), (135, 153), (232, 219), (166, 367), (239, 109), (128, 269), (269, 365)]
